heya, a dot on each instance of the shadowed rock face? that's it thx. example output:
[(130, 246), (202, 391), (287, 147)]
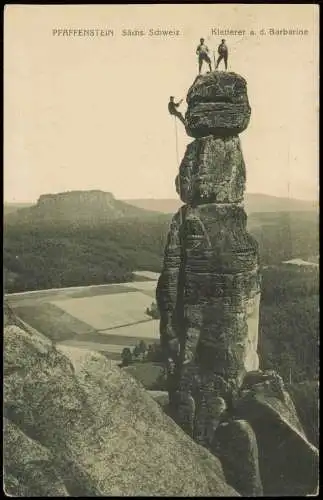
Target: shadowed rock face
[(83, 428), (217, 105), (29, 466), (306, 399), (288, 462), (236, 445)]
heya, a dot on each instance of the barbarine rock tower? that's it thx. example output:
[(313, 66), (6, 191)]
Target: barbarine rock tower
[(208, 296), (209, 289)]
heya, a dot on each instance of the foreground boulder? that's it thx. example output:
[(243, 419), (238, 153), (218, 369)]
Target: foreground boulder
[(288, 462), (29, 466), (306, 396), (86, 428)]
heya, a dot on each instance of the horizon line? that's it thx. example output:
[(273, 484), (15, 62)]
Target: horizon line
[(7, 202)]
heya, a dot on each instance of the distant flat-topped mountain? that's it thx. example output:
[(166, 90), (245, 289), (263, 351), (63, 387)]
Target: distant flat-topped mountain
[(76, 206), (97, 206), (254, 202)]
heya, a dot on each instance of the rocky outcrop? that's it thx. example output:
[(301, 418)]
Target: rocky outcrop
[(306, 398), (217, 105), (208, 295), (29, 466), (288, 462), (199, 182), (209, 288), (87, 429), (235, 443)]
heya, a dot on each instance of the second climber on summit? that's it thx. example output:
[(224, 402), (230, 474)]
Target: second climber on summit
[(223, 54), (203, 52), (172, 108)]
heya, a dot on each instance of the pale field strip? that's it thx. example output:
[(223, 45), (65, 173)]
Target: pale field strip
[(30, 298), (147, 274), (301, 262), (143, 285), (93, 346), (70, 290), (105, 312), (43, 298), (148, 330), (146, 287)]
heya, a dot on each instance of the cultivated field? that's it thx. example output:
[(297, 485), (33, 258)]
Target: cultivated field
[(107, 311), (52, 321), (104, 318)]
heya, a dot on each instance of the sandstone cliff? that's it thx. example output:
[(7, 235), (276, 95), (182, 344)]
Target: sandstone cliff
[(209, 294), (87, 429), (209, 288)]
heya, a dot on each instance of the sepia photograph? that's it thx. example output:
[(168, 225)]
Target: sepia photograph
[(161, 250)]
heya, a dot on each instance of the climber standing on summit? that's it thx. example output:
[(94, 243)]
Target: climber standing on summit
[(203, 52), (172, 108), (223, 54)]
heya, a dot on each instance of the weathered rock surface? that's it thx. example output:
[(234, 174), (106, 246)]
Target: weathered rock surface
[(209, 289), (235, 444), (30, 466), (93, 430), (208, 296), (212, 171), (217, 105), (306, 397), (288, 462), (278, 453)]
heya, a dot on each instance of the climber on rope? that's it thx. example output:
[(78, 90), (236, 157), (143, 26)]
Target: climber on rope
[(172, 108), (203, 52), (223, 54)]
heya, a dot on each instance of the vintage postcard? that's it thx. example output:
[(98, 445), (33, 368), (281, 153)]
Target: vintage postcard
[(161, 250)]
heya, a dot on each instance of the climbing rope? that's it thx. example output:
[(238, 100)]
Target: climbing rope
[(176, 141)]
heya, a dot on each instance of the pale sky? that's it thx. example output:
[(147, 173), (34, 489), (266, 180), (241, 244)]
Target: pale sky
[(91, 112)]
